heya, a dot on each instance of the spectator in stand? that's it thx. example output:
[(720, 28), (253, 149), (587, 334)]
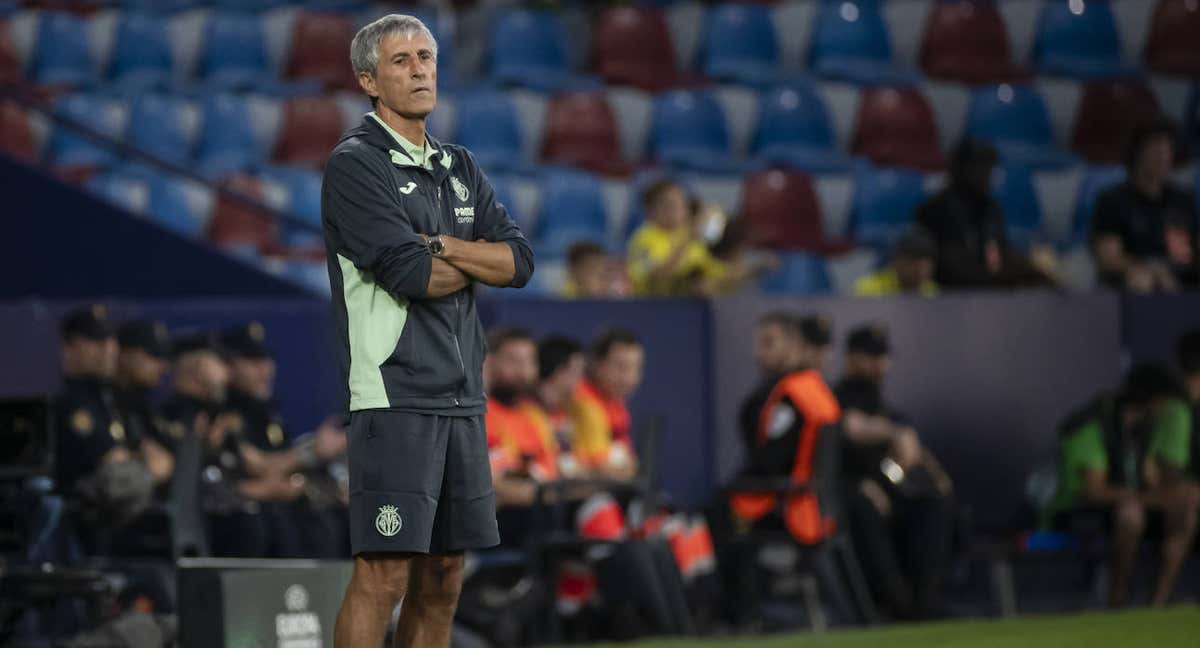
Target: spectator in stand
[(967, 226), (1123, 464), (816, 330), (614, 373), (898, 494), (1187, 354), (1144, 229), (592, 273), (668, 257), (910, 272)]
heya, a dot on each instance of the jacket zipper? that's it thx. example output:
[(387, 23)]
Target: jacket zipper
[(462, 365)]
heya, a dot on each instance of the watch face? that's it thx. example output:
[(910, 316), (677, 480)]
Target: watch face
[(436, 246)]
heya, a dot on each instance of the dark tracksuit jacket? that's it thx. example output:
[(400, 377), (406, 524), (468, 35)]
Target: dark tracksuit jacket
[(400, 349)]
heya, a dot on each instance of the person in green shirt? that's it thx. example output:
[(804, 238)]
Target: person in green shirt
[(1127, 455), (1187, 354)]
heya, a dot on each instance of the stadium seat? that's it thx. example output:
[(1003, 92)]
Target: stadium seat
[(1095, 181), (781, 211), (739, 44), (632, 46), (793, 129), (967, 41), (895, 126), (141, 55), (572, 209), (884, 204), (69, 148), (1077, 39), (798, 273), (580, 130), (487, 125), (125, 191), (157, 126), (688, 131), (1013, 188), (1172, 46), (528, 48), (61, 54), (311, 128), (1014, 118), (233, 52), (226, 142), (1107, 115), (17, 139), (313, 275), (172, 207), (850, 42), (304, 204), (10, 61), (319, 45), (238, 225)]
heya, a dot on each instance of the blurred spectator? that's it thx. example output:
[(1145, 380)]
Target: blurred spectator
[(1187, 354), (816, 331), (555, 408), (667, 257), (313, 524), (1122, 466), (910, 272), (141, 366), (1144, 229), (967, 226), (898, 494), (521, 454), (777, 352), (615, 366), (592, 273)]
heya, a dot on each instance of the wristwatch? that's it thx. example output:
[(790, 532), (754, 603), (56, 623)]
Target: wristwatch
[(436, 247)]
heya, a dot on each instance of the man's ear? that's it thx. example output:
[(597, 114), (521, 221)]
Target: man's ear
[(366, 81)]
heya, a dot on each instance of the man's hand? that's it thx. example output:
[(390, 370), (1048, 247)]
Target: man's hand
[(330, 440), (906, 448)]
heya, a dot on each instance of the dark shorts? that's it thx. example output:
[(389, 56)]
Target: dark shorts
[(419, 483)]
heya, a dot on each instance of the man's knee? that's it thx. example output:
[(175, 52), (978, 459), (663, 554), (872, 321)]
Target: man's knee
[(383, 578), (1130, 517), (1180, 510), (440, 580)]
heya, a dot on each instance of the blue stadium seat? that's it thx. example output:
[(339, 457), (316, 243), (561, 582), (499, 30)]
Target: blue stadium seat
[(1077, 39), (1013, 188), (740, 44), (171, 208), (226, 142), (487, 125), (688, 131), (1014, 118), (61, 54), (798, 273), (156, 126), (528, 48), (163, 6), (313, 275), (884, 203), (794, 130), (101, 114), (572, 209), (304, 202), (233, 51), (249, 5), (124, 191), (1095, 180), (141, 55), (849, 41)]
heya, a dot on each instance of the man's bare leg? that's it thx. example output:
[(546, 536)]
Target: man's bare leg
[(377, 585), (1129, 518), (1179, 518), (428, 611)]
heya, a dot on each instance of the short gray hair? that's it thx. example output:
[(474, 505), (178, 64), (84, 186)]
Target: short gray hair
[(364, 49)]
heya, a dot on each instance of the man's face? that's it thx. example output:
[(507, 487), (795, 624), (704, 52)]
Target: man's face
[(620, 372), (212, 373), (560, 386), (866, 365), (913, 271), (1157, 155), (813, 356), (255, 376), (138, 368), (590, 275), (405, 80), (670, 211), (774, 349), (92, 358), (513, 366)]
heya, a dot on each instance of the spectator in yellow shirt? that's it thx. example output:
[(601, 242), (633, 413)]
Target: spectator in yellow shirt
[(910, 272), (592, 273)]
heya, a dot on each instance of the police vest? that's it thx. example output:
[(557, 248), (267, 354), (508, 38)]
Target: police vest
[(818, 408)]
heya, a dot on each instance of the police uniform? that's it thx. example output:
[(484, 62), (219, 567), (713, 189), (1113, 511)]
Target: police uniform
[(87, 423), (141, 415)]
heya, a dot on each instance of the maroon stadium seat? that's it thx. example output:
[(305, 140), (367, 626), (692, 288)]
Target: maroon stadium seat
[(1173, 44), (966, 41), (781, 211), (633, 47), (580, 130), (1107, 113), (16, 133), (319, 45), (311, 128), (10, 64), (896, 127), (236, 224)]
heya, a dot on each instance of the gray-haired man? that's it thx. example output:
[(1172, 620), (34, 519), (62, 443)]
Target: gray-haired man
[(410, 225)]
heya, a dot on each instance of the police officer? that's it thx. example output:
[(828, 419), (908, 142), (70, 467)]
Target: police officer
[(142, 363), (312, 526)]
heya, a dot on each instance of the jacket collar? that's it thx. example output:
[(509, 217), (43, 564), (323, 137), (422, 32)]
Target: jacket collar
[(376, 134)]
